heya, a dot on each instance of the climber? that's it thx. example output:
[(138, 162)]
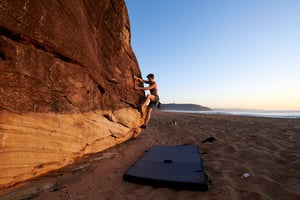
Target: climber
[(152, 98)]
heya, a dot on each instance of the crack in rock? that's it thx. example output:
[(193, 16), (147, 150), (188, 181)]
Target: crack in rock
[(25, 40)]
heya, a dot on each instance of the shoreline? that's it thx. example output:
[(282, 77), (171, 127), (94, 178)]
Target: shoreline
[(267, 149), (250, 113)]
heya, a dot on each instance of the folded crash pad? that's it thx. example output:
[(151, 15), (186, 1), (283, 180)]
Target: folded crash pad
[(178, 167)]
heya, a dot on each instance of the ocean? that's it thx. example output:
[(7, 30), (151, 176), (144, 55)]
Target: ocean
[(253, 113)]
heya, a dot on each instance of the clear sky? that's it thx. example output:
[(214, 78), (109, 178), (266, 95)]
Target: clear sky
[(220, 53)]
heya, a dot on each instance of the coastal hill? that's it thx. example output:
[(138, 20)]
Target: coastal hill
[(184, 107)]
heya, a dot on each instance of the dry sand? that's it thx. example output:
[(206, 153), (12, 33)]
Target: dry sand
[(267, 149)]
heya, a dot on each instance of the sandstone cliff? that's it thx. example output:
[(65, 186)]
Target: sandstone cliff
[(66, 83)]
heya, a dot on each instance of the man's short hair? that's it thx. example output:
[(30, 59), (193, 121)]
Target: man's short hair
[(150, 76)]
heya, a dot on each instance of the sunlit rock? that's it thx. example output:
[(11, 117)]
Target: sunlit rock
[(66, 83)]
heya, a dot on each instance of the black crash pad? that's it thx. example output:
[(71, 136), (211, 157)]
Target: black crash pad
[(178, 167)]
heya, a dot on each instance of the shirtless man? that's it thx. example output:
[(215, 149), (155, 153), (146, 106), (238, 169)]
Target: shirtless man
[(152, 97)]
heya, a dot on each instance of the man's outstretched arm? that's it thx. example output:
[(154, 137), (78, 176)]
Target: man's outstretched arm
[(146, 88), (140, 80)]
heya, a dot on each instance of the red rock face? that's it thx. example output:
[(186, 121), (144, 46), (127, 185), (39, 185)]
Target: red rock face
[(66, 83), (66, 56)]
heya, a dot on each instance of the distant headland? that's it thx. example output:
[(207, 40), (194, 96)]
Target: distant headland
[(183, 107)]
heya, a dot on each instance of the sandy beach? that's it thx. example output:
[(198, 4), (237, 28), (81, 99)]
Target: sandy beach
[(267, 149)]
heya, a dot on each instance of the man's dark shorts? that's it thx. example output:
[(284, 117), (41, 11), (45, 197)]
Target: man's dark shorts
[(153, 103)]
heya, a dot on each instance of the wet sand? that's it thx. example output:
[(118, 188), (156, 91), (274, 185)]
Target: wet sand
[(267, 149)]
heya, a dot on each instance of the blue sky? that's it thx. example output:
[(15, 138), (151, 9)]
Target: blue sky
[(220, 53)]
